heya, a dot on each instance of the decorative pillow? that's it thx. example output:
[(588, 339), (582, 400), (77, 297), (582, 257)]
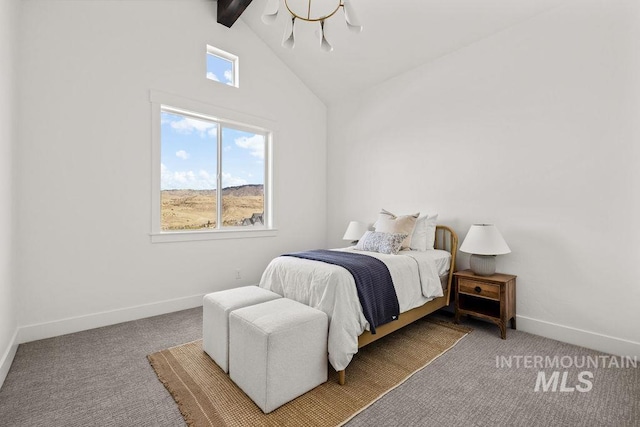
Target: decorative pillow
[(424, 233), (385, 243), (405, 224), (385, 214)]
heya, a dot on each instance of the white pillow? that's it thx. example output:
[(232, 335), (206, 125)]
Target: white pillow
[(385, 243), (424, 235)]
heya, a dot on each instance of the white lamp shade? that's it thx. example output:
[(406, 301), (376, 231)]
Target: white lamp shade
[(289, 40), (355, 230), (484, 239), (324, 43), (350, 16), (271, 12)]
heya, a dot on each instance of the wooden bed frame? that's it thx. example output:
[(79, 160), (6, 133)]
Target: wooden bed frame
[(446, 239)]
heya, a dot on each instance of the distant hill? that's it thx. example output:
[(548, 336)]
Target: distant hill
[(237, 191), (244, 190)]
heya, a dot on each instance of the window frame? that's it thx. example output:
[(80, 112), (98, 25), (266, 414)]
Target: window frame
[(226, 56), (174, 104)]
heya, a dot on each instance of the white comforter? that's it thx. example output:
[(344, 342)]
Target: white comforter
[(331, 288)]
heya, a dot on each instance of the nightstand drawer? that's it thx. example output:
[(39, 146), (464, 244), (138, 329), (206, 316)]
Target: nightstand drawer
[(479, 289)]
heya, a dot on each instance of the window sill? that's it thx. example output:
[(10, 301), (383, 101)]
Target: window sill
[(187, 236)]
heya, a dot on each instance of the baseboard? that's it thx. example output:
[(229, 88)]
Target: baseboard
[(592, 340), (97, 320), (7, 357)]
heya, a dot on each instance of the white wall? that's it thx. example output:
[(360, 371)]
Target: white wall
[(8, 316), (533, 129), (84, 214)]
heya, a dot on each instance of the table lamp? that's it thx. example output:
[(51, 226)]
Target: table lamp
[(355, 230), (484, 242)]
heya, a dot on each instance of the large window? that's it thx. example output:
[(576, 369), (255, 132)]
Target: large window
[(213, 174)]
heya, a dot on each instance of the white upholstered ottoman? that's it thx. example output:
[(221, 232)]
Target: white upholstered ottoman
[(216, 307), (277, 351)]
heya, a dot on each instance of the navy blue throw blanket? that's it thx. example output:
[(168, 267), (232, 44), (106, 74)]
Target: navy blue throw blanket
[(373, 282)]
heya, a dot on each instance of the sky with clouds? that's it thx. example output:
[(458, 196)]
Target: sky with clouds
[(189, 154), (219, 69)]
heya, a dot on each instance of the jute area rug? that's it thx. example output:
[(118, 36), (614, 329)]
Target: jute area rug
[(206, 395)]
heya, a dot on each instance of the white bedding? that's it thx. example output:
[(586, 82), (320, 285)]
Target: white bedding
[(331, 288)]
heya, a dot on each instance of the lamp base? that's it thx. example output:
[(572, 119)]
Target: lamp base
[(483, 265)]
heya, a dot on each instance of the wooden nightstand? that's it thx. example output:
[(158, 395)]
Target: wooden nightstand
[(488, 297)]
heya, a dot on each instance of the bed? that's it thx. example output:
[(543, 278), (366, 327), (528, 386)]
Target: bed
[(422, 281)]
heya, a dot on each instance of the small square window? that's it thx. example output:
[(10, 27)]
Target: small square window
[(222, 66)]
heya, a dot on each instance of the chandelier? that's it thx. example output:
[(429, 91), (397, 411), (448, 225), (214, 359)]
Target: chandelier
[(312, 11)]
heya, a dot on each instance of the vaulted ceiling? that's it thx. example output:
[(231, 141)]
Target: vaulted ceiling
[(398, 35)]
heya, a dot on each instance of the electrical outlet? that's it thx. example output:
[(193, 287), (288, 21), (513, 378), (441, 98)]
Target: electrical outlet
[(238, 275)]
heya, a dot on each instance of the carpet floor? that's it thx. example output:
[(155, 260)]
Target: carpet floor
[(101, 377)]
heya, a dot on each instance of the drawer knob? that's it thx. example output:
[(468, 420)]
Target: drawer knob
[(478, 289)]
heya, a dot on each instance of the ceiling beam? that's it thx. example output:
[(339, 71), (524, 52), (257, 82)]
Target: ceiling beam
[(230, 10)]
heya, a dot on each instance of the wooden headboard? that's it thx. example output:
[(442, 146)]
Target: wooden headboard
[(447, 239)]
